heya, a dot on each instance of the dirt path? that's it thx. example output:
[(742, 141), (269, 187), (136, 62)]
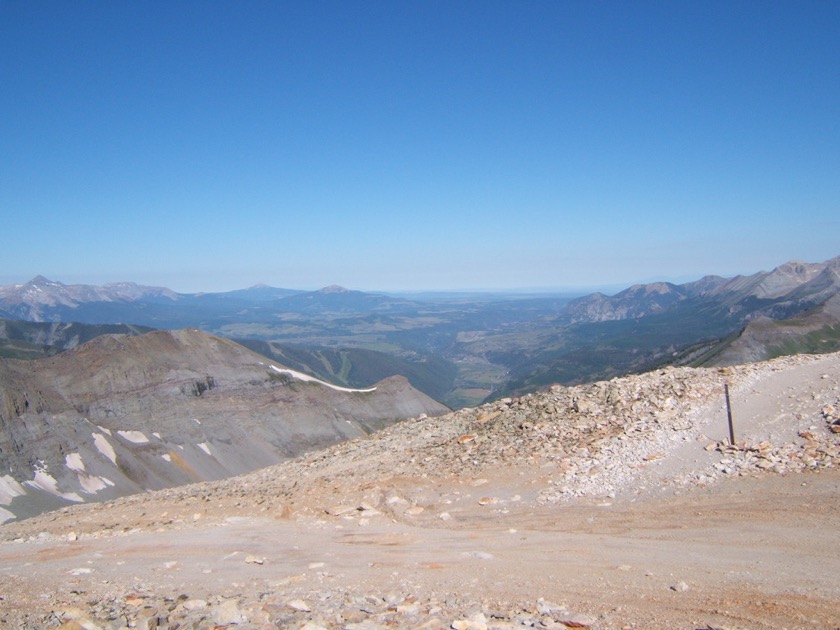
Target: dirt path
[(756, 553)]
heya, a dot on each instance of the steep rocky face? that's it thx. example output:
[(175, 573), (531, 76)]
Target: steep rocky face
[(124, 414), (773, 284), (816, 331)]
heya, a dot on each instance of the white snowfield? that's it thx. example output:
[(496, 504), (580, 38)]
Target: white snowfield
[(74, 462), (137, 437), (46, 482), (311, 379), (91, 484), (9, 489), (104, 447)]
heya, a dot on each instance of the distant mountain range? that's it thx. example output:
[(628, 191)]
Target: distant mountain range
[(42, 300), (790, 288), (125, 413), (461, 349)]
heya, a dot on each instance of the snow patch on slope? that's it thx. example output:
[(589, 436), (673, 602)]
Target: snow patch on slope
[(9, 489), (74, 462), (46, 482), (5, 515), (311, 379), (104, 447), (91, 484), (136, 437)]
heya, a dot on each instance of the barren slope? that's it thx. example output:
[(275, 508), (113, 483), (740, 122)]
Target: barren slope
[(614, 505), (122, 414)]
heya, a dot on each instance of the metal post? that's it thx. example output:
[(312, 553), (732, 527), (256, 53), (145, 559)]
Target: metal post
[(729, 414)]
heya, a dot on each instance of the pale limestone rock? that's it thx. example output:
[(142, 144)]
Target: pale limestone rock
[(228, 612), (299, 605)]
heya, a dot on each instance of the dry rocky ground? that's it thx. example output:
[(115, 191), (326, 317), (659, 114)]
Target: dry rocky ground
[(613, 505)]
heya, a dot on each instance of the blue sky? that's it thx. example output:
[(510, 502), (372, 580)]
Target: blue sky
[(394, 145)]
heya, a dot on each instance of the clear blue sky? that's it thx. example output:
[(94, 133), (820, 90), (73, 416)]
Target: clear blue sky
[(416, 145)]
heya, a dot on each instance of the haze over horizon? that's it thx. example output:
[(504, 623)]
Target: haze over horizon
[(398, 146)]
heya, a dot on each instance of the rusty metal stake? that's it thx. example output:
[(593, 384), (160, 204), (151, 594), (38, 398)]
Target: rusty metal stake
[(729, 414)]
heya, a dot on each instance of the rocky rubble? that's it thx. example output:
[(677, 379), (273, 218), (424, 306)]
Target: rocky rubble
[(313, 610), (587, 441)]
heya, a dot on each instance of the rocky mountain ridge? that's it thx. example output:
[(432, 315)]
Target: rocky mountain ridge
[(816, 330), (791, 287), (123, 414), (39, 298)]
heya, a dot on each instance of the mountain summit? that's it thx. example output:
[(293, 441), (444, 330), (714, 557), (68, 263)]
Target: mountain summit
[(334, 288)]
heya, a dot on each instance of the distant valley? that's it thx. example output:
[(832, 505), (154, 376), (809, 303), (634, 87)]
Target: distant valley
[(460, 349)]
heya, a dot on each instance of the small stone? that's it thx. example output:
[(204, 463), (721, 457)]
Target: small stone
[(254, 560), (71, 537), (147, 619), (549, 608), (228, 613), (680, 587), (299, 605), (476, 622), (577, 621)]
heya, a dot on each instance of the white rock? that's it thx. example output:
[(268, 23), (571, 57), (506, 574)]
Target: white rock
[(299, 605)]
